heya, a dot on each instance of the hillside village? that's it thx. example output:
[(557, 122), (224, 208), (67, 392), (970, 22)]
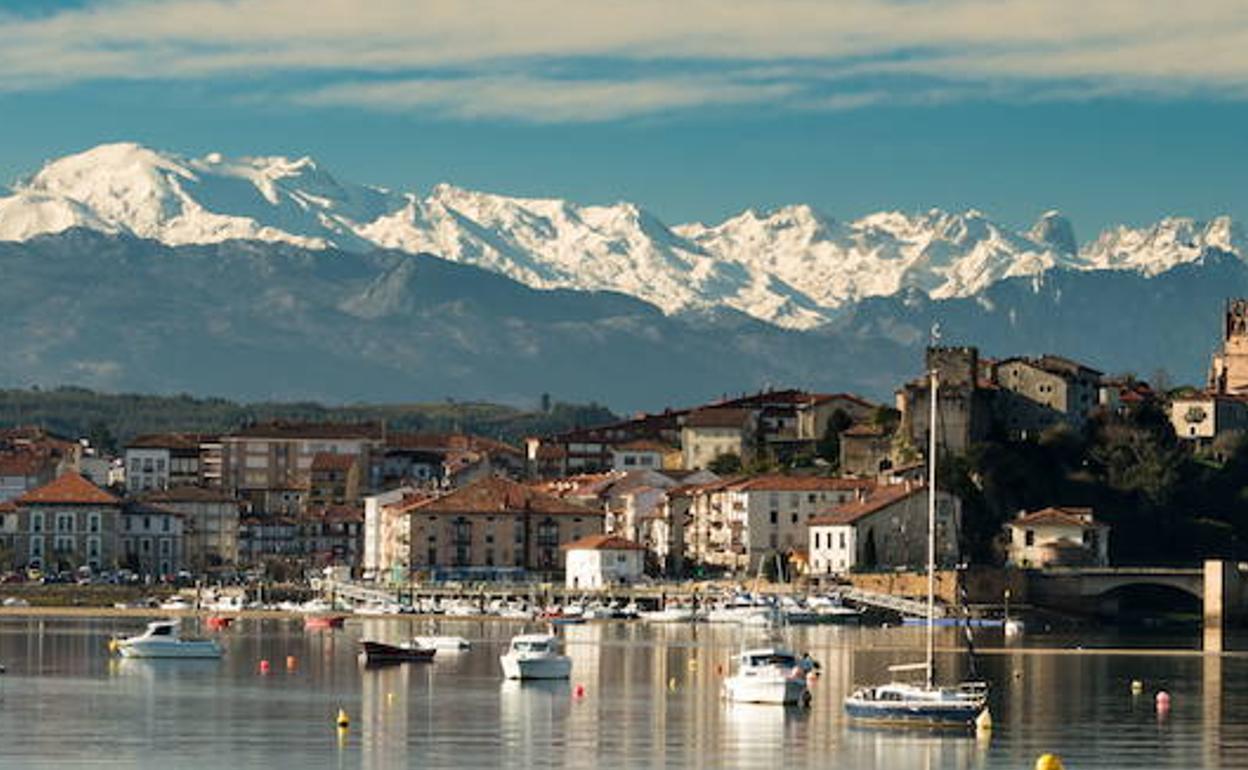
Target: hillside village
[(784, 483)]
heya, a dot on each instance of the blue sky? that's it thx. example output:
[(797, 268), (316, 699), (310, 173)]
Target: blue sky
[(1113, 111)]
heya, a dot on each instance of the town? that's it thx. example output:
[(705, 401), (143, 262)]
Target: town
[(1049, 463)]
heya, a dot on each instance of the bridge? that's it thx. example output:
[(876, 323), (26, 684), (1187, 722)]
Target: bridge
[(1220, 586)]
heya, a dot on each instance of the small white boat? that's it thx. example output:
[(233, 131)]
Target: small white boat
[(535, 656), (161, 640), (176, 603), (769, 675), (676, 613), (1014, 628), (461, 609), (444, 643)]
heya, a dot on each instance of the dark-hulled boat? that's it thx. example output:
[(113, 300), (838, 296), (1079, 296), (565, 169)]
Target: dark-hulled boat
[(407, 652)]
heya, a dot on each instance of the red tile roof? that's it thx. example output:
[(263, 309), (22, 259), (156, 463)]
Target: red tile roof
[(1061, 516), (882, 497), (69, 489), (186, 494), (281, 429), (718, 418), (329, 461), (782, 483), (499, 495), (602, 543), (23, 463), (167, 441), (644, 445)]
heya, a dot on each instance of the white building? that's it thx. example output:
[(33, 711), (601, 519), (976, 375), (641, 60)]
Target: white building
[(737, 524), (373, 531), (1058, 537), (710, 433), (1203, 418), (885, 530), (596, 562)]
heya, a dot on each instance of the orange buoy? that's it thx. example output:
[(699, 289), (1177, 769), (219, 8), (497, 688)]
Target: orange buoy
[(291, 663)]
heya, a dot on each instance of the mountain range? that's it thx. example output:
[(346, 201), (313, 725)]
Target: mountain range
[(128, 267)]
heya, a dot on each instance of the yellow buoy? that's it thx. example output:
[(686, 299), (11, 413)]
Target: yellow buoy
[(693, 664), (671, 683), (1049, 762), (343, 720), (1137, 687), (983, 722), (113, 646)]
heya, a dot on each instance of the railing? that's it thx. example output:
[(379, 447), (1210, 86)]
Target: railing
[(910, 607)]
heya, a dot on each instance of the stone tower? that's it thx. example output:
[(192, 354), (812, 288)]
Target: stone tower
[(1229, 372)]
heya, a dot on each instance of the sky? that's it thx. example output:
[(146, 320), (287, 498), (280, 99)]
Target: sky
[(1113, 111)]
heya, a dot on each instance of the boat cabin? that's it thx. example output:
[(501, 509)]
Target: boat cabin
[(535, 644), (768, 658)]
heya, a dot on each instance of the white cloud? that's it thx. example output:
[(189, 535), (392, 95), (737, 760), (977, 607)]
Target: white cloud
[(543, 100), (983, 48)]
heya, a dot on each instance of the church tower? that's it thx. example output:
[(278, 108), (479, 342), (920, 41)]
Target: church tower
[(1229, 372)]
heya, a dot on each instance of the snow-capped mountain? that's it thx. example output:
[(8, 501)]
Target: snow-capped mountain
[(792, 267)]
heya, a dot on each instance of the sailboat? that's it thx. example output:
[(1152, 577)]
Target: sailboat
[(926, 704)]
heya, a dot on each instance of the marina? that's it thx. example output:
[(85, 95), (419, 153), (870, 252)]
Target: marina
[(650, 694)]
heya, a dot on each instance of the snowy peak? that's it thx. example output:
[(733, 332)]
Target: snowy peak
[(792, 266), (1171, 242), (1055, 231)]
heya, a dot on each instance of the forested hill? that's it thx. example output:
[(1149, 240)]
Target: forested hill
[(111, 419)]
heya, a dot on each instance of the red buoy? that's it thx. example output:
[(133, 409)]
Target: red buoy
[(579, 691), (264, 667)]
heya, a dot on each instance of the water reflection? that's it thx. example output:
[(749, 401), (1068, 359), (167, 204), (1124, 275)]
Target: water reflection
[(652, 697)]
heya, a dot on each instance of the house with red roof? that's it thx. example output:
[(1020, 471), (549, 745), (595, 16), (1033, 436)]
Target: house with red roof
[(884, 529), (597, 562), (67, 523), (490, 525), (1057, 536), (737, 523)]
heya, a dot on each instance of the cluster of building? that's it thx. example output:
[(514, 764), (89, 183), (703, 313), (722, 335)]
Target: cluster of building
[(679, 493)]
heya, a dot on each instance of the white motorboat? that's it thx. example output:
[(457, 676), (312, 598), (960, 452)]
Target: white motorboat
[(162, 640), (535, 656), (769, 675), (176, 603), (443, 643)]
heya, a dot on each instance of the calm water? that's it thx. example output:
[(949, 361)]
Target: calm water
[(651, 699)]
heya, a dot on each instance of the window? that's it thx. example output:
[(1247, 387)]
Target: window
[(93, 522), (147, 523), (164, 546), (164, 524), (793, 519), (432, 560), (775, 517), (842, 541), (1030, 537), (36, 522), (36, 546)]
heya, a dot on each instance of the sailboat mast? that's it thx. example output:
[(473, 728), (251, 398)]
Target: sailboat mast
[(931, 531)]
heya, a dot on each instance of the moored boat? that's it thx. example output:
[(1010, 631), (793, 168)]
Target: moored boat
[(926, 704), (446, 643), (769, 675), (535, 656), (323, 622), (162, 640), (919, 705), (406, 652)]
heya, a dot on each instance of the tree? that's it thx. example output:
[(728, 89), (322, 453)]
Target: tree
[(725, 464)]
